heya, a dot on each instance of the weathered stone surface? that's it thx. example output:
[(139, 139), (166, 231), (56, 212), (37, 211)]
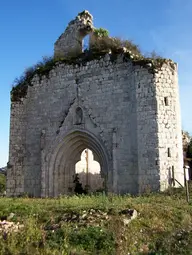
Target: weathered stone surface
[(70, 42), (130, 119)]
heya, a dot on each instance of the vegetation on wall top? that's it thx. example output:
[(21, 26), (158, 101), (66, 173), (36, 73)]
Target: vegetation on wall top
[(101, 32), (21, 84), (101, 44), (114, 44)]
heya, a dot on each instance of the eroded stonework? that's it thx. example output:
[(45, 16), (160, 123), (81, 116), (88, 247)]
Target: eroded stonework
[(128, 116), (70, 42)]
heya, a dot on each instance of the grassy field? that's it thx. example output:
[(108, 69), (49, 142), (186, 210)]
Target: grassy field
[(95, 225)]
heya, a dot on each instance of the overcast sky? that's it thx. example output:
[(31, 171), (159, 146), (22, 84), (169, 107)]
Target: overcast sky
[(30, 28)]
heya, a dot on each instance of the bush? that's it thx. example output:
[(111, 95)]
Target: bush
[(2, 183), (114, 44), (100, 44), (101, 32), (20, 85), (189, 150), (55, 239)]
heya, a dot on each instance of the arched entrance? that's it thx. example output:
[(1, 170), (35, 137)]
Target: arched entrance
[(88, 177), (61, 169)]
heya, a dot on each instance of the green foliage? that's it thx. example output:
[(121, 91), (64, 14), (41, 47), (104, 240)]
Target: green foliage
[(114, 44), (163, 225), (189, 150), (100, 45), (26, 241), (56, 239), (178, 242), (130, 46), (20, 85), (101, 32), (2, 183), (93, 239)]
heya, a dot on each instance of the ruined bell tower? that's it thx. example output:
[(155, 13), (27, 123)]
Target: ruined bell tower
[(70, 42)]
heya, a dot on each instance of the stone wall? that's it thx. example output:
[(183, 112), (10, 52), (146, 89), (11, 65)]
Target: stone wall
[(17, 149), (159, 128), (169, 126), (146, 112), (104, 90), (70, 42), (127, 113)]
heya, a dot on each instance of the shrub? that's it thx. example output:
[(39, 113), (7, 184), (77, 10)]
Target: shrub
[(20, 85), (189, 150), (101, 32), (93, 239), (114, 44), (55, 239), (100, 44), (2, 183)]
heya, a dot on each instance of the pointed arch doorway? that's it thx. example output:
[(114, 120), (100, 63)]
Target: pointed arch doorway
[(88, 177), (67, 153)]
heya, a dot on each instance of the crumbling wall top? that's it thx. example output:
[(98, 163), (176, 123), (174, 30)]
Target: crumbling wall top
[(70, 42)]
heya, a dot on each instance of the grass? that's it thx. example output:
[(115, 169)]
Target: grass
[(114, 44), (93, 225)]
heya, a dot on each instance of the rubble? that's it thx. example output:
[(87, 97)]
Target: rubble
[(9, 226), (92, 217)]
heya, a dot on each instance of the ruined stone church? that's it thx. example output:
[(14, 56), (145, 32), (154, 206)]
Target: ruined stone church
[(123, 107)]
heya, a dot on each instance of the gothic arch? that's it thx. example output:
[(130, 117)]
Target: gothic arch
[(61, 165)]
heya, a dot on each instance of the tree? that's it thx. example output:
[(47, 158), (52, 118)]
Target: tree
[(78, 186), (189, 150)]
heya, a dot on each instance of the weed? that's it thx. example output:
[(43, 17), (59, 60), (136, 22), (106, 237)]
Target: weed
[(100, 45), (93, 239), (93, 225)]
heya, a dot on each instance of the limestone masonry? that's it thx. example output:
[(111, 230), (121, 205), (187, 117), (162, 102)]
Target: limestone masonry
[(126, 114)]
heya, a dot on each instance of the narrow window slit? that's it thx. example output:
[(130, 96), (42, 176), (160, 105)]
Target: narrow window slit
[(169, 152), (166, 101), (173, 176)]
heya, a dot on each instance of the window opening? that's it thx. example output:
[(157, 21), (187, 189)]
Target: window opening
[(169, 152), (79, 116), (86, 41), (166, 101)]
